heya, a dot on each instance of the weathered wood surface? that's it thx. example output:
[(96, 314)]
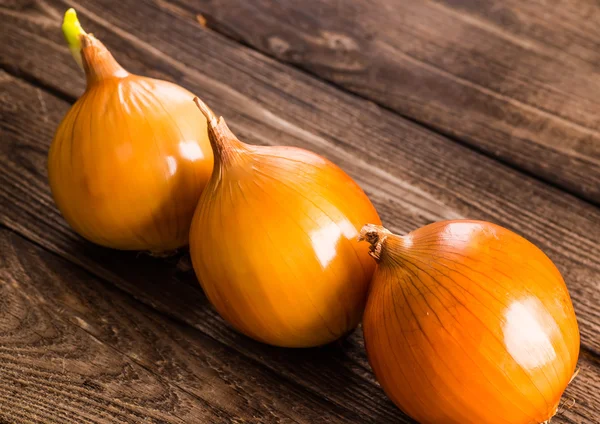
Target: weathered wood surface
[(519, 80), (413, 176), (101, 354)]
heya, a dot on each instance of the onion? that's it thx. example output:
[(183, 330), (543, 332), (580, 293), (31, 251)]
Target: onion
[(130, 159), (467, 322), (274, 242)]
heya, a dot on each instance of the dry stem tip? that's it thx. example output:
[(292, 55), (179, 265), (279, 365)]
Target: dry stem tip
[(375, 235), (206, 111), (224, 143)]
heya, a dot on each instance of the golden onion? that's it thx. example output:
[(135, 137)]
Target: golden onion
[(467, 322), (130, 158), (274, 242)]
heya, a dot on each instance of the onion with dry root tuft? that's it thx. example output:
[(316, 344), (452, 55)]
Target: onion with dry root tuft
[(467, 322), (130, 159), (274, 242)]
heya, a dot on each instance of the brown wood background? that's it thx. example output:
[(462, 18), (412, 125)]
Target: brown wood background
[(439, 109)]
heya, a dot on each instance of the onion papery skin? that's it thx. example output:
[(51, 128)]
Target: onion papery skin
[(274, 243), (130, 159), (467, 322)]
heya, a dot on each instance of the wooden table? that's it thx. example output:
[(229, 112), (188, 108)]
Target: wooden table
[(486, 109)]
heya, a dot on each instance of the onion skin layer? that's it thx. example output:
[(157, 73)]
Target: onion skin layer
[(467, 322), (274, 242), (130, 159)]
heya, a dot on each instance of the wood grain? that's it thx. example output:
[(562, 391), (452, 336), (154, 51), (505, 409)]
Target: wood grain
[(517, 80), (56, 371), (412, 175), (95, 346), (568, 28)]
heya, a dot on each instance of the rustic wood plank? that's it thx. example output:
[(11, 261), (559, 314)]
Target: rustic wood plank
[(55, 370), (568, 27), (420, 183), (517, 80), (412, 175), (89, 341)]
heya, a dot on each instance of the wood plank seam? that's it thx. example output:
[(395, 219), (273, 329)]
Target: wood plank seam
[(563, 177), (596, 202), (533, 45), (218, 31), (30, 79)]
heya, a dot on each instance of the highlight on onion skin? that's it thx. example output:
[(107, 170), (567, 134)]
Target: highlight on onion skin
[(467, 322), (130, 159), (274, 242)]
